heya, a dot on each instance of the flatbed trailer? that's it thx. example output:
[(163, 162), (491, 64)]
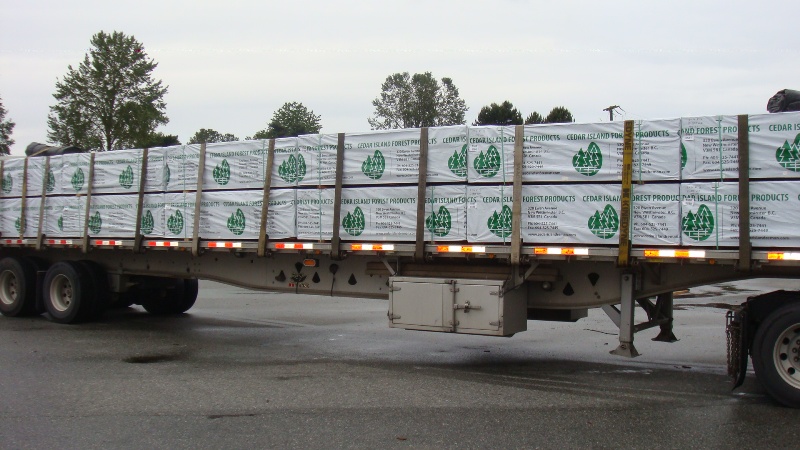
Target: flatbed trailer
[(489, 289)]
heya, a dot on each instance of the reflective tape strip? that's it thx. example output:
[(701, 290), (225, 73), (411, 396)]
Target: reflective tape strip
[(675, 253), (107, 242), (224, 245), (162, 243), (460, 249), (379, 247), (783, 256), (13, 241), (294, 245), (560, 251), (59, 241)]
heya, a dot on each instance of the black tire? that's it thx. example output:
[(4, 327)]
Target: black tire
[(100, 288), (17, 287), (68, 293), (776, 355), (177, 300)]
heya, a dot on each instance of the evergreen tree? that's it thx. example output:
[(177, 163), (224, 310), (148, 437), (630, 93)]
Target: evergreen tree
[(111, 100)]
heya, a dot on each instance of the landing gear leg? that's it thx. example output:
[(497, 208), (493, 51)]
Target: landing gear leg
[(664, 309), (626, 325)]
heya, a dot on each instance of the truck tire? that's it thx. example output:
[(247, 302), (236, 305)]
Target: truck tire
[(17, 287), (176, 301), (100, 288), (68, 292), (776, 354)]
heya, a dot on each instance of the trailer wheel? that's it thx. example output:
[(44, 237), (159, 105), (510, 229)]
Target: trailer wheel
[(176, 301), (101, 298), (17, 287), (68, 294), (776, 355)]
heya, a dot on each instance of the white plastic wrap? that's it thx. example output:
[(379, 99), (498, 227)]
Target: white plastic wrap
[(379, 214)]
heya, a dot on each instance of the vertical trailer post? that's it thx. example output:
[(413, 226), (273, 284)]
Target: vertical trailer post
[(137, 236), (22, 203), (516, 206), (197, 201), (39, 234), (744, 194), (86, 215), (627, 300), (623, 258), (337, 197), (262, 230), (419, 253)]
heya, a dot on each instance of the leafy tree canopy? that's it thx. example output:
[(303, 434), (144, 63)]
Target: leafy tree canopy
[(503, 114), (111, 100), (534, 118), (209, 136), (559, 114), (159, 140), (418, 101), (291, 119), (6, 127)]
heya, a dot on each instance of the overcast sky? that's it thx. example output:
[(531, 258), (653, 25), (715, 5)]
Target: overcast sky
[(230, 64)]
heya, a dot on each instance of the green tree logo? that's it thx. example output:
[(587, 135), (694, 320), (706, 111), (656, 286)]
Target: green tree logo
[(439, 223), (606, 224), (78, 179), (17, 225), (684, 156), (147, 223), (292, 169), (60, 223), (374, 166), (175, 223), (698, 226), (222, 173), (354, 223), (488, 164), (236, 222), (8, 184), (588, 163), (458, 162), (95, 223), (500, 224), (126, 178), (788, 155), (50, 183), (166, 175)]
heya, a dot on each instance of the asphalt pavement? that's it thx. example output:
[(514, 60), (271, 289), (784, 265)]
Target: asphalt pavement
[(248, 369)]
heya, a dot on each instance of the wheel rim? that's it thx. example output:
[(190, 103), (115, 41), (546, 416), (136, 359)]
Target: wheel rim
[(8, 288), (61, 293), (787, 355)]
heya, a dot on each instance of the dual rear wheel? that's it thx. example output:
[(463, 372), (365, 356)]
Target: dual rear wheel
[(77, 291)]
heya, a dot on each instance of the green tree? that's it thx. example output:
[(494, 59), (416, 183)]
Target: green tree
[(559, 114), (208, 136), (503, 114), (159, 140), (6, 127), (418, 101), (534, 119), (291, 119), (111, 100)]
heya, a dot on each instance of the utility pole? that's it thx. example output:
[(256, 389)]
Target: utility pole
[(610, 110)]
